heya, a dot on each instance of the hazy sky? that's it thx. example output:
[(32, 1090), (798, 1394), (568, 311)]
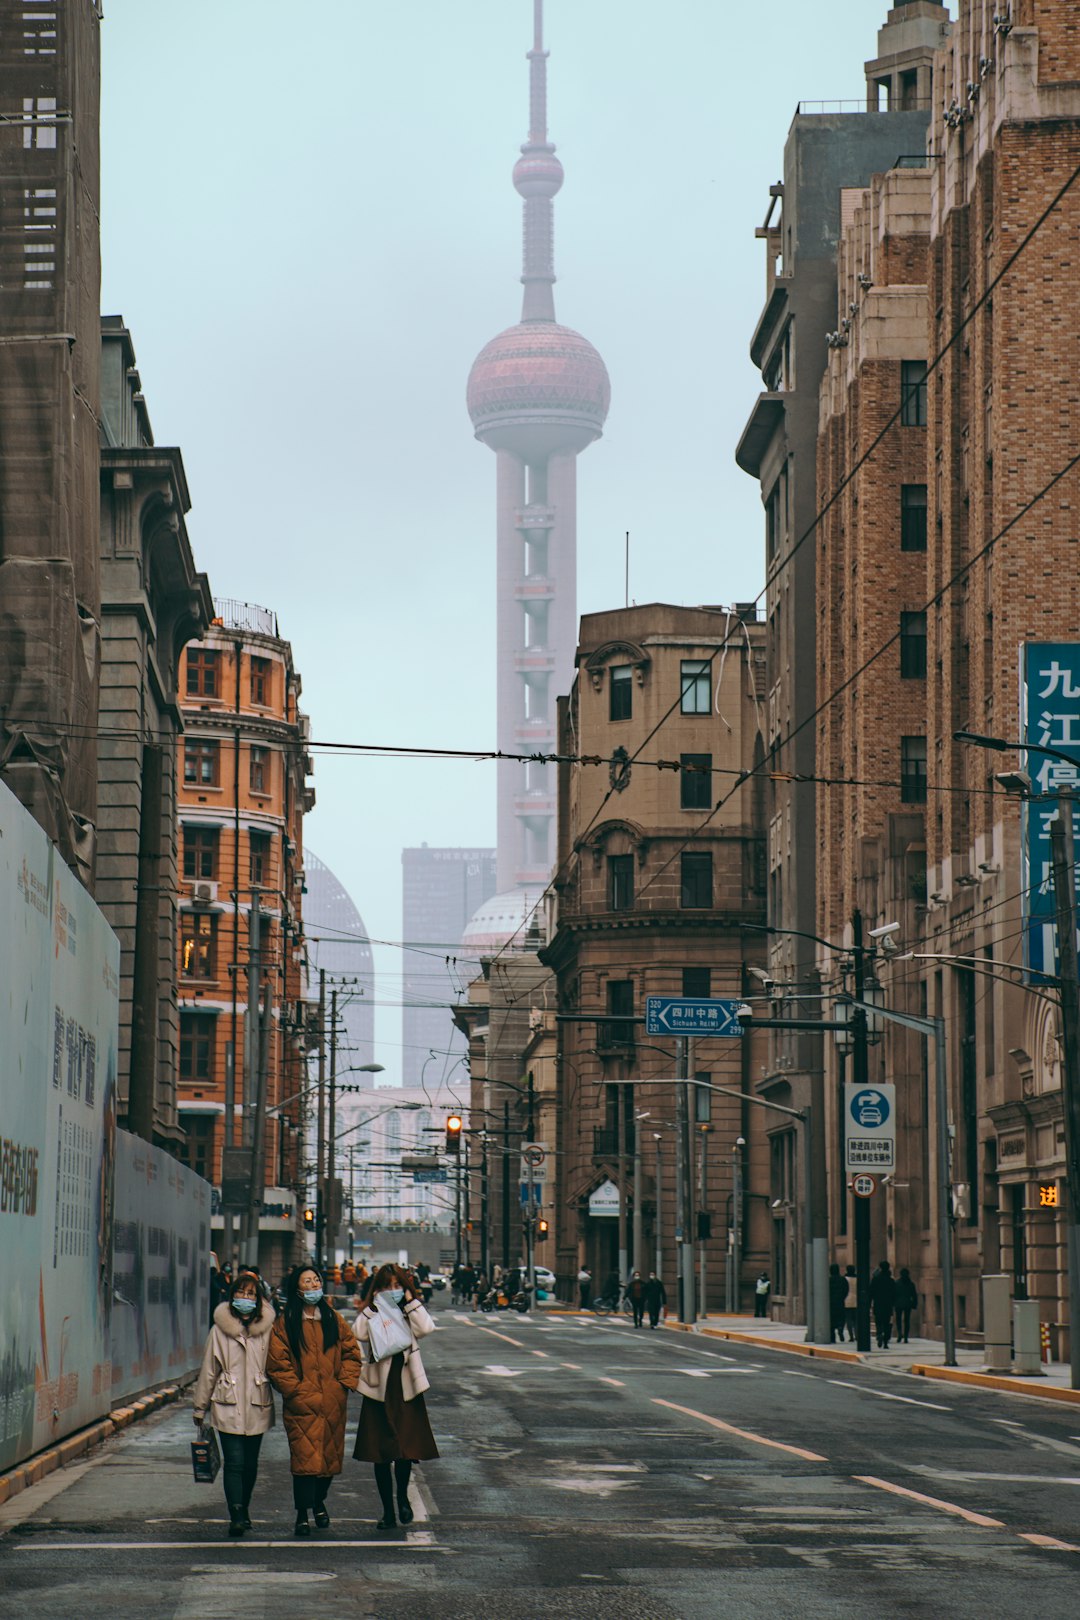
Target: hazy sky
[(309, 226)]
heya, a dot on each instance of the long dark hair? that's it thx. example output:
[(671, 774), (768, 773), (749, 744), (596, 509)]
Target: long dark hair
[(234, 1288), (294, 1312), (387, 1276)]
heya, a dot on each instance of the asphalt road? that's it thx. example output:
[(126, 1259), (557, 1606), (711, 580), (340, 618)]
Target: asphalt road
[(590, 1470)]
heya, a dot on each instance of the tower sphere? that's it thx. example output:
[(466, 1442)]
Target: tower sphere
[(538, 172), (538, 388)]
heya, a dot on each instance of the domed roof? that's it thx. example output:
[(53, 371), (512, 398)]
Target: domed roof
[(500, 920), (538, 386), (538, 172)]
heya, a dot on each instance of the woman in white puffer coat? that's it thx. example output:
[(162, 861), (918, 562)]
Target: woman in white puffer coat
[(233, 1388)]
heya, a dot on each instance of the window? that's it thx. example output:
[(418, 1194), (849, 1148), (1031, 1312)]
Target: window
[(913, 393), (912, 646), (198, 936), (696, 686), (200, 852), (696, 875), (913, 770), (695, 781), (621, 694), (202, 762), (197, 1152), (620, 1005), (912, 517), (259, 770), (697, 983), (196, 1046), (260, 681), (702, 1099), (259, 850), (620, 882), (202, 672)]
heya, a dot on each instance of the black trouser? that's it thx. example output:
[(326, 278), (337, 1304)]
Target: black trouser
[(760, 1302), (240, 1466), (309, 1491), (585, 1291), (654, 1315), (638, 1308), (836, 1326), (883, 1327), (401, 1475), (903, 1321)]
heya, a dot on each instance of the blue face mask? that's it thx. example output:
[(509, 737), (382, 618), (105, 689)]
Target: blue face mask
[(312, 1296), (244, 1306), (395, 1295)]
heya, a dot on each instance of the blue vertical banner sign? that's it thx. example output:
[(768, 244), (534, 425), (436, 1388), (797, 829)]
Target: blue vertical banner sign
[(1049, 717)]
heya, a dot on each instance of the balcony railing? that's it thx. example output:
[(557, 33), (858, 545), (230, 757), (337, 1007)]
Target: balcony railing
[(236, 615)]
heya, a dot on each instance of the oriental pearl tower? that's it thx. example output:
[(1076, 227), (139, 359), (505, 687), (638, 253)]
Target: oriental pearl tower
[(538, 395)]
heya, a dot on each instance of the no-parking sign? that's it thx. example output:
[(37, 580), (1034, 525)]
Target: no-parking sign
[(869, 1128)]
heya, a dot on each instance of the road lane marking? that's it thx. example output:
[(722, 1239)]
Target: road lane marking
[(742, 1434), (540, 1353), (966, 1475), (573, 1365), (884, 1395), (495, 1335), (931, 1501), (1048, 1541), (421, 1542), (618, 1383)]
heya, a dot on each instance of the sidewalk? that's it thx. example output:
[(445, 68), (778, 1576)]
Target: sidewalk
[(924, 1357)]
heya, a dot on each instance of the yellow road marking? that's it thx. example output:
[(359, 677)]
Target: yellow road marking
[(504, 1336), (616, 1381), (1048, 1541), (931, 1501), (742, 1434)]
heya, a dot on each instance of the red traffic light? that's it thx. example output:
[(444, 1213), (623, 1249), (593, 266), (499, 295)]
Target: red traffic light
[(453, 1134)]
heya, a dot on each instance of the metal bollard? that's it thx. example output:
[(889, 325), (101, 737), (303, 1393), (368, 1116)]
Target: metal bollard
[(997, 1325)]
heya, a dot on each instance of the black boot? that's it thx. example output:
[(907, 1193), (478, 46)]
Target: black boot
[(301, 1527), (236, 1519), (402, 1473), (384, 1481)]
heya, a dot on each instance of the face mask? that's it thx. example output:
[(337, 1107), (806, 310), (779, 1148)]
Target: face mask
[(244, 1306), (312, 1296), (395, 1295)]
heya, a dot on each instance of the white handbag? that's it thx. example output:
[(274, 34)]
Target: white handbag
[(388, 1331)]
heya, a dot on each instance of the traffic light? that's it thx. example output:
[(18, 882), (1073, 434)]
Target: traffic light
[(309, 1219), (453, 1134), (541, 1229)]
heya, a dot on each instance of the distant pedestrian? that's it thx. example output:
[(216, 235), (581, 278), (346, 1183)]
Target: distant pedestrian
[(584, 1282), (394, 1431), (635, 1293), (851, 1312), (907, 1300), (314, 1361), (655, 1298), (882, 1301), (838, 1292), (480, 1288), (233, 1389), (762, 1290)]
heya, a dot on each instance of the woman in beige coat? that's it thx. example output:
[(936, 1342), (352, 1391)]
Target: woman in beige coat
[(394, 1428), (233, 1388)]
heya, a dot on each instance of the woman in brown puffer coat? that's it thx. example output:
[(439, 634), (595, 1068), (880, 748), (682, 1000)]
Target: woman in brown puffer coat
[(313, 1361)]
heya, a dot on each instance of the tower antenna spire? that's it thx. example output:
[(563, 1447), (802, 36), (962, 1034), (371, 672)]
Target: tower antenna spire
[(538, 175)]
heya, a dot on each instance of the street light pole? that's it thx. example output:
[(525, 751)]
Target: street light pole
[(320, 1153), (703, 1173), (659, 1205), (861, 1069), (684, 1250)]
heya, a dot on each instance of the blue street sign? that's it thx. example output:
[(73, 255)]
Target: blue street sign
[(424, 1178), (1050, 715), (537, 1192), (685, 1015)]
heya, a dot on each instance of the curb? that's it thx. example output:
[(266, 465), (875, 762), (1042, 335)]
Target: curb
[(820, 1352), (36, 1468), (1011, 1386)]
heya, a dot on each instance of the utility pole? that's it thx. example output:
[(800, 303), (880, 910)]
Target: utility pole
[(861, 1071), (636, 1237), (484, 1267), (331, 1211), (320, 1155), (736, 1222), (506, 1188), (228, 1234), (703, 1158), (659, 1205), (1063, 859), (620, 1158), (255, 1086), (684, 1247)]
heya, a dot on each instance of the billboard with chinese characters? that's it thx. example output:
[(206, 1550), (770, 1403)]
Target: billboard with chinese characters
[(1050, 718), (59, 980)]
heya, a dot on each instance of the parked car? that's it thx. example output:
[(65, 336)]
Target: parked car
[(437, 1280), (545, 1279)]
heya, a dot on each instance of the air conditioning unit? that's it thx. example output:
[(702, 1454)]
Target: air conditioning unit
[(204, 894)]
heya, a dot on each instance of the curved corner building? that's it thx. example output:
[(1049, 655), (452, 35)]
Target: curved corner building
[(538, 395)]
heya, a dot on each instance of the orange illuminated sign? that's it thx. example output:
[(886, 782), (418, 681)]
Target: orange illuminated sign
[(1049, 1197)]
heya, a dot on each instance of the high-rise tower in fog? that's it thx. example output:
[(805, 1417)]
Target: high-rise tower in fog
[(538, 395)]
